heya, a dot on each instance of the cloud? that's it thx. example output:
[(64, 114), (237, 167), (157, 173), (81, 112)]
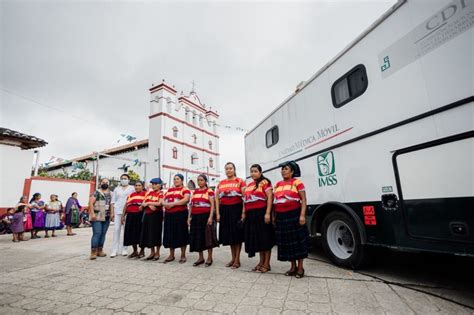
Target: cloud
[(96, 60)]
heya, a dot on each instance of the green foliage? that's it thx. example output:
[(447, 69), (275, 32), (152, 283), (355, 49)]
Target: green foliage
[(84, 174), (133, 176)]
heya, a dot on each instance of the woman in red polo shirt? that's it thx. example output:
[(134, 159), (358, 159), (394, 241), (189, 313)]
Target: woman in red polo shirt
[(229, 212), (176, 232), (202, 214), (152, 225), (132, 217), (259, 235), (292, 235)]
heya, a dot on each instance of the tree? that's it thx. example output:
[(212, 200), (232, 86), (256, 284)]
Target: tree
[(84, 174), (133, 176)]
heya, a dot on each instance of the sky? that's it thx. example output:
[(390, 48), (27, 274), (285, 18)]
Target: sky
[(77, 73)]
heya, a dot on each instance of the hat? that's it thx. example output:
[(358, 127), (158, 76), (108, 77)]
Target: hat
[(294, 167), (156, 180)]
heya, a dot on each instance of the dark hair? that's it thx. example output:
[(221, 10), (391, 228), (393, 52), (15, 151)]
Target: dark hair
[(125, 174), (293, 166), (233, 165), (180, 176), (203, 177), (10, 209), (34, 197), (73, 193), (22, 198), (20, 208), (261, 178), (140, 182)]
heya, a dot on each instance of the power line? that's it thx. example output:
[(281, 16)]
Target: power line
[(47, 106)]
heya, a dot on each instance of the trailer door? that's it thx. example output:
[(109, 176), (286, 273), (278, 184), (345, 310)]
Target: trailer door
[(436, 188)]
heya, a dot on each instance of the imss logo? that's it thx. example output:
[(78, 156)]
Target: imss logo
[(326, 169)]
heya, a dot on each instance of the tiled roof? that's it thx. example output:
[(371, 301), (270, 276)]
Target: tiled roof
[(24, 141), (112, 151)]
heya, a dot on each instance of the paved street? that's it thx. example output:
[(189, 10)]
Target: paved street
[(56, 276)]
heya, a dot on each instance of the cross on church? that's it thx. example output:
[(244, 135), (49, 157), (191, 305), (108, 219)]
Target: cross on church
[(194, 84)]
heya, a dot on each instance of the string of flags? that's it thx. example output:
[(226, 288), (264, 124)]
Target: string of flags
[(126, 137), (232, 127)]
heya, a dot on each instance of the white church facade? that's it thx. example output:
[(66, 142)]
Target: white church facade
[(182, 139)]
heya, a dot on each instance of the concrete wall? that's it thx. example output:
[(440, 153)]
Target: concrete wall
[(61, 187), (15, 167)]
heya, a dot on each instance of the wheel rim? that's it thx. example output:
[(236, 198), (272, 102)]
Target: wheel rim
[(340, 239)]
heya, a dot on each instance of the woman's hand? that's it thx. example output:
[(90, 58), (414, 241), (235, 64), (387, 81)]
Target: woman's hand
[(189, 221), (267, 218), (243, 216), (92, 217), (209, 221), (218, 217), (302, 220), (122, 221)]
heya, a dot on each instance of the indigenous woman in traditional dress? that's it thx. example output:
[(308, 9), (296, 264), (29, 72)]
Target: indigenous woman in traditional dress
[(202, 215), (152, 225), (259, 234), (132, 218), (27, 222), (53, 220), (72, 210), (37, 214), (229, 213), (17, 226), (176, 232), (290, 207)]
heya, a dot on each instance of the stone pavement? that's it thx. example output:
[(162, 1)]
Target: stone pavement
[(55, 276)]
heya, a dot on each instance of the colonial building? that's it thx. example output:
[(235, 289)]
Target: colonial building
[(182, 139)]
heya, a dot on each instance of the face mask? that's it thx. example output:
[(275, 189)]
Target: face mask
[(124, 182), (104, 186)]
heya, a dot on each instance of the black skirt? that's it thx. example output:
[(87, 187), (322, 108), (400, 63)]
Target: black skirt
[(197, 232), (132, 229), (258, 235), (230, 228), (292, 238), (176, 232), (151, 230)]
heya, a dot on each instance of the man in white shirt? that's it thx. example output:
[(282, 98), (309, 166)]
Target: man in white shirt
[(119, 198)]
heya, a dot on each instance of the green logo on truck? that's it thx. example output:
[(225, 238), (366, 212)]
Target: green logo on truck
[(326, 169)]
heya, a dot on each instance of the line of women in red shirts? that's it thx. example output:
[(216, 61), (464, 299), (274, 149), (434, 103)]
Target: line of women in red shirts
[(257, 214)]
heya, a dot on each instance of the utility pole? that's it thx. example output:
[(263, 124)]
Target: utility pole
[(35, 173), (97, 170)]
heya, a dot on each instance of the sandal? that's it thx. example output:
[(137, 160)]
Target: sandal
[(53, 235), (133, 255), (208, 263), (182, 260), (299, 275), (197, 263), (167, 260), (257, 267), (155, 258), (151, 257), (264, 269), (230, 264), (290, 273), (235, 266), (140, 256)]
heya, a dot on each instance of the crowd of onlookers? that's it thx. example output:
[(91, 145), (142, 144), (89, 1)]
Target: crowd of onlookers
[(36, 216)]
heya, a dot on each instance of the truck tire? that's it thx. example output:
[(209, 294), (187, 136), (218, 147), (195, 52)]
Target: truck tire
[(341, 241)]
